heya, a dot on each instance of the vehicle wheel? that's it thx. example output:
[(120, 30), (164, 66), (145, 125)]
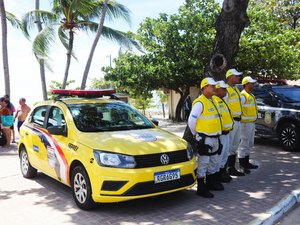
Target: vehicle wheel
[(27, 170), (82, 191), (289, 136)]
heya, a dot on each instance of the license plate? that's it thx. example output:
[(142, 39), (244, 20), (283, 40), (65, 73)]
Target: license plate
[(166, 176)]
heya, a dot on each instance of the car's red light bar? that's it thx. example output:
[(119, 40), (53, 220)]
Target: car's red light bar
[(84, 93)]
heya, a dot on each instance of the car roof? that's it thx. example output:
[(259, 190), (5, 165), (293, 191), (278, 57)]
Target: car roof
[(277, 86), (69, 101)]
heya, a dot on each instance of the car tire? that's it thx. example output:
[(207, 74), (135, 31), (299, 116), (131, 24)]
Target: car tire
[(27, 170), (81, 188), (289, 136)]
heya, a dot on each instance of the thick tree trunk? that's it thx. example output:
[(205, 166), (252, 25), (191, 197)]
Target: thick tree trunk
[(41, 61), (4, 48), (163, 109), (229, 26), (183, 96)]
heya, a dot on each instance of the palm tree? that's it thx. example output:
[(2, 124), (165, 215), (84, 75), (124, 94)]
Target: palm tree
[(99, 32), (4, 48), (69, 16), (16, 23), (41, 60)]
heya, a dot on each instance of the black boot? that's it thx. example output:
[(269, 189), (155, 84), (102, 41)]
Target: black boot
[(213, 183), (243, 166), (250, 165), (202, 189), (231, 170), (224, 176)]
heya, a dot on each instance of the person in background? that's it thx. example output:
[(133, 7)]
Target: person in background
[(234, 102), (12, 107), (205, 125), (227, 126), (249, 116), (22, 112), (5, 110)]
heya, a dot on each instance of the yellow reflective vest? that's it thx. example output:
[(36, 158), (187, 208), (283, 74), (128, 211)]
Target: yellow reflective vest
[(249, 113), (234, 101), (227, 120), (209, 122)]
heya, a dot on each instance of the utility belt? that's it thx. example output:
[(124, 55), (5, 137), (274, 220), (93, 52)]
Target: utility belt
[(237, 118), (204, 149), (224, 132)]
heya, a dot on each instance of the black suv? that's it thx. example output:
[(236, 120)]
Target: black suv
[(279, 113)]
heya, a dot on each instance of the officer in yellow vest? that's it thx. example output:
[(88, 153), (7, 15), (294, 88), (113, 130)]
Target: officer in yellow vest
[(249, 116), (234, 102), (227, 126), (206, 126)]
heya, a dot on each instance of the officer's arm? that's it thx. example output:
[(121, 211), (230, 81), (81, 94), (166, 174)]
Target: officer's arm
[(243, 99), (195, 113)]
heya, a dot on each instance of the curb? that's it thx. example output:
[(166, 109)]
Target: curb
[(272, 216)]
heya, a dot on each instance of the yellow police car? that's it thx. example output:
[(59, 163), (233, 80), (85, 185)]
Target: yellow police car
[(104, 149)]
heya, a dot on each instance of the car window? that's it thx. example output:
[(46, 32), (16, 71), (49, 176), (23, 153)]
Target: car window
[(290, 95), (38, 116), (56, 117), (107, 117)]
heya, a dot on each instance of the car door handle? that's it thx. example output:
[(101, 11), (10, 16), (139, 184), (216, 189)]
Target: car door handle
[(26, 133)]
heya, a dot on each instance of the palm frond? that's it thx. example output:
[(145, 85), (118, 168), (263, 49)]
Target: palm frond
[(88, 26), (30, 19), (116, 10), (63, 37), (45, 63), (14, 21), (122, 38), (41, 43)]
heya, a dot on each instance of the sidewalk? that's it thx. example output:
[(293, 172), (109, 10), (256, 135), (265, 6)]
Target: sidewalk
[(288, 204)]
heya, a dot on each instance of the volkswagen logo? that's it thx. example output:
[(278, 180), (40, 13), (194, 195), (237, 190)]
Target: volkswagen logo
[(164, 159)]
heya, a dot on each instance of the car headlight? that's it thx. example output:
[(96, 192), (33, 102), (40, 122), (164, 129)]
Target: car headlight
[(114, 160), (189, 151)]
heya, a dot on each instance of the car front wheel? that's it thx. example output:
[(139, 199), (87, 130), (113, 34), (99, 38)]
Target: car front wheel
[(82, 191), (289, 136), (27, 170)]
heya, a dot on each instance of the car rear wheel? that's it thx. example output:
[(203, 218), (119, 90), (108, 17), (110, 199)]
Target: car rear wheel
[(289, 136), (82, 191), (27, 170)]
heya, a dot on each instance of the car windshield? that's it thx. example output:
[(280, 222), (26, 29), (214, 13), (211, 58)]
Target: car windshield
[(96, 117), (290, 95)]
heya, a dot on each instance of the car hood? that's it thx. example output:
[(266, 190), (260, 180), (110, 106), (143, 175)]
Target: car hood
[(133, 142)]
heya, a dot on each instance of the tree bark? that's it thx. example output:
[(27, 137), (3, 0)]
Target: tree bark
[(69, 55), (41, 61), (163, 110), (183, 95), (229, 26), (4, 48)]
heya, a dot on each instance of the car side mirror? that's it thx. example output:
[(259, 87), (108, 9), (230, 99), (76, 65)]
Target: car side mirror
[(58, 130), (155, 122)]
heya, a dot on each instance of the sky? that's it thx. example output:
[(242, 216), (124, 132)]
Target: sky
[(24, 69)]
